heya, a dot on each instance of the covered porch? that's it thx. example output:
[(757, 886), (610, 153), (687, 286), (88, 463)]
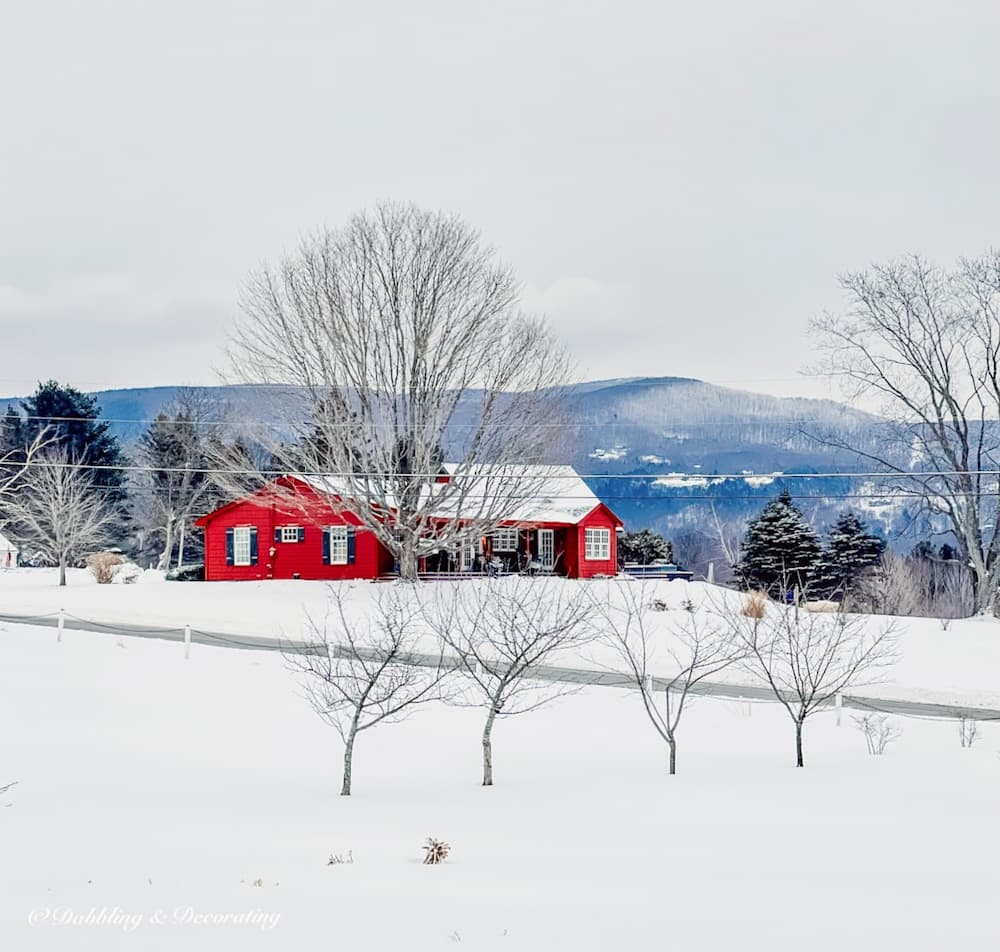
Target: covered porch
[(509, 550)]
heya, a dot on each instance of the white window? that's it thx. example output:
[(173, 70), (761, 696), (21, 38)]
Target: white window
[(505, 540), (597, 544), (289, 533), (338, 544), (241, 545)]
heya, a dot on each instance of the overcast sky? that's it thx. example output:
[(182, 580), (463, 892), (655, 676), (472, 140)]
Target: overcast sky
[(677, 184)]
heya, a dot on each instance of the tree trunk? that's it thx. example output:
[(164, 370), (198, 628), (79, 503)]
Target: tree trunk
[(168, 544), (408, 564), (62, 571), (488, 749), (345, 787), (798, 744), (180, 546), (673, 755)]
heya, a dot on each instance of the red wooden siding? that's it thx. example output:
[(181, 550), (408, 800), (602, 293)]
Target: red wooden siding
[(266, 511), (286, 559), (577, 565)]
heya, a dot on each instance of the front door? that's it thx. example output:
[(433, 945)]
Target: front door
[(546, 548)]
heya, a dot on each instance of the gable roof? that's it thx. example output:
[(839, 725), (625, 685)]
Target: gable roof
[(558, 494)]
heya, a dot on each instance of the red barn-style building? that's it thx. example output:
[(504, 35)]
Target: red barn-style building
[(564, 530)]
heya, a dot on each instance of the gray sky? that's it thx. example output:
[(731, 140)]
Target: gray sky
[(677, 184)]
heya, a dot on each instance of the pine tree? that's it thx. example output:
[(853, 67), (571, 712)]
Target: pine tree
[(780, 550), (850, 551), (73, 418), (644, 546)]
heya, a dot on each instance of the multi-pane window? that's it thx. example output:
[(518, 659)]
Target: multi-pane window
[(241, 545), (289, 533), (505, 540), (597, 544), (338, 544)]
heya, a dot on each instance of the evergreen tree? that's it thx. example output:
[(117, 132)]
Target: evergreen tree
[(644, 546), (850, 552), (780, 550), (73, 419)]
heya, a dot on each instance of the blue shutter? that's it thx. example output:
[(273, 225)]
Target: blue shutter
[(229, 547), (277, 533), (351, 533), (302, 533), (253, 545), (326, 546)]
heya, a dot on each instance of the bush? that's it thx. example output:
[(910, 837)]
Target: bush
[(103, 565), (756, 605), (188, 573)]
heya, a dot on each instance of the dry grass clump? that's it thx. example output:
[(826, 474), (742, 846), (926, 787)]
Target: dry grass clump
[(435, 851), (755, 605), (103, 565)]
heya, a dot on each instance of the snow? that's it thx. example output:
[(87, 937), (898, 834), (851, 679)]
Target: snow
[(149, 784), (957, 666), (557, 493)]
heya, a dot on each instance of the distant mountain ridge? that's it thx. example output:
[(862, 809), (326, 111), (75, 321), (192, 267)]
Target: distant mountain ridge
[(648, 428)]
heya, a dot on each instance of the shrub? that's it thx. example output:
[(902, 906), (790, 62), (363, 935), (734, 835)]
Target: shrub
[(756, 605), (435, 851), (103, 565)]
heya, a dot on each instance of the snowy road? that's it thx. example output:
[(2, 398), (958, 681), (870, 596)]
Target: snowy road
[(583, 676)]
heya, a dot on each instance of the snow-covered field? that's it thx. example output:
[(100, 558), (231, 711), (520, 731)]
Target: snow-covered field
[(156, 793), (957, 666)]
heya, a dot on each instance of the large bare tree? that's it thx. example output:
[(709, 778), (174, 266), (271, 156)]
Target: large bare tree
[(922, 346), (176, 450), (808, 658), (661, 651), (502, 631), (359, 668), (403, 333), (58, 511)]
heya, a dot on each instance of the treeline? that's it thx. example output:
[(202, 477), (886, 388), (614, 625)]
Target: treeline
[(68, 488)]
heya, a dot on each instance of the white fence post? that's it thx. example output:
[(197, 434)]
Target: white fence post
[(838, 702), (187, 641), (62, 622)]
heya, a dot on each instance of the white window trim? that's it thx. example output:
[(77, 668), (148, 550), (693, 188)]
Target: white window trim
[(510, 537), (338, 544), (593, 550), (241, 544), (289, 533)]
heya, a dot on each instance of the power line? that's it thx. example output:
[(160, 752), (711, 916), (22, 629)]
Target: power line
[(695, 479)]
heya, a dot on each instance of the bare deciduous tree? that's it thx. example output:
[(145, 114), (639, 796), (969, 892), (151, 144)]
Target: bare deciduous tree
[(808, 658), (685, 651), (502, 631), (924, 345), (58, 511), (358, 669), (176, 486), (14, 465), (403, 334)]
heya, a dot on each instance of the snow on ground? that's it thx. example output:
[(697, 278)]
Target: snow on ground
[(154, 792), (957, 666)]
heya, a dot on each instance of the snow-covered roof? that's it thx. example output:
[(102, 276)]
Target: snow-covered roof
[(6, 545), (543, 493)]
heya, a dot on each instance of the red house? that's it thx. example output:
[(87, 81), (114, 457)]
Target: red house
[(565, 530)]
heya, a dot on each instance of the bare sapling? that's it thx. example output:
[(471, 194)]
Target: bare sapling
[(502, 631), (359, 668), (669, 652), (809, 658)]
